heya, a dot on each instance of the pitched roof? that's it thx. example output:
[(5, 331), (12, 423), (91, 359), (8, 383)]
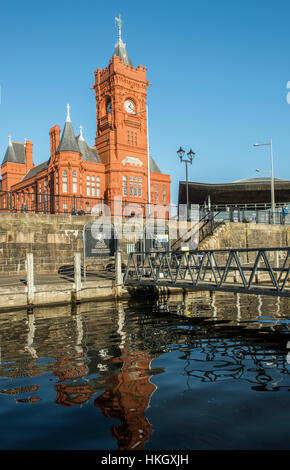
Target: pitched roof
[(68, 142), (15, 153), (88, 154), (35, 170), (120, 51), (153, 166)]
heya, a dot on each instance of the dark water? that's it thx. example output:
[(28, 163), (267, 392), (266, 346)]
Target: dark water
[(206, 372)]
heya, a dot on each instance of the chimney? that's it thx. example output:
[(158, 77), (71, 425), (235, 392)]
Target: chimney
[(29, 153), (54, 139)]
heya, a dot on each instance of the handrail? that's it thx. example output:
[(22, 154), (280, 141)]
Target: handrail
[(207, 221), (208, 270)]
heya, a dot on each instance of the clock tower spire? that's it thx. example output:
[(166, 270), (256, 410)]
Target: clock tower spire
[(121, 137)]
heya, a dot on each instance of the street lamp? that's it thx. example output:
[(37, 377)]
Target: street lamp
[(180, 152), (272, 179)]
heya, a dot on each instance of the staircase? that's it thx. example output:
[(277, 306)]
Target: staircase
[(207, 225)]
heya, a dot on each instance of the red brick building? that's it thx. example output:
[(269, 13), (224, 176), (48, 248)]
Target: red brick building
[(78, 175)]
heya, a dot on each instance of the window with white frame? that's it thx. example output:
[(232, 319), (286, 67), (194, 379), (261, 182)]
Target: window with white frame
[(136, 186), (98, 186), (64, 181), (156, 192), (163, 194), (93, 185), (125, 186), (46, 190), (75, 181), (88, 185)]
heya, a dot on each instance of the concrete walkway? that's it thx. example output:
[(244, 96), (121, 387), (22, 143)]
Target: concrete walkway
[(20, 279), (56, 289)]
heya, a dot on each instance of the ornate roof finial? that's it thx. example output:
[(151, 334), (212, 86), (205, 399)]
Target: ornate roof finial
[(68, 116), (81, 133), (120, 46), (9, 140), (119, 21)]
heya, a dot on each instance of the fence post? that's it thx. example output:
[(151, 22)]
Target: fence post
[(77, 275), (30, 278), (118, 271), (10, 201)]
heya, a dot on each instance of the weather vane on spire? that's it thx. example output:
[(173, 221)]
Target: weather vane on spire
[(119, 21), (67, 113)]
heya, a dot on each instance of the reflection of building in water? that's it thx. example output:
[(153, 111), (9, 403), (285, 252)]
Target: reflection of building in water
[(238, 304), (129, 392), (123, 371), (128, 398), (105, 356), (68, 368), (30, 336)]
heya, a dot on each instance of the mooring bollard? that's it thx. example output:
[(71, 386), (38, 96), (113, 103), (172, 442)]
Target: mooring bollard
[(77, 275), (118, 271), (30, 278)]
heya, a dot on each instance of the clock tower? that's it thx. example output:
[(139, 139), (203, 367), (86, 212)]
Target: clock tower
[(121, 137)]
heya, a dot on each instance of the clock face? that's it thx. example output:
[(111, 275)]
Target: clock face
[(109, 107), (129, 107)]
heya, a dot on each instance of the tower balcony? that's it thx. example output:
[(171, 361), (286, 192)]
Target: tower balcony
[(105, 122)]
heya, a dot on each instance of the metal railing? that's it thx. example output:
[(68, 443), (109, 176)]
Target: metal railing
[(259, 213), (251, 271), (46, 203), (203, 229)]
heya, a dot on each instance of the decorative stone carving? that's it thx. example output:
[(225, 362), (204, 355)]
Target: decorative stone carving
[(133, 161)]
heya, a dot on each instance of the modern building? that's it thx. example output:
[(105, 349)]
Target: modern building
[(77, 174), (247, 191)]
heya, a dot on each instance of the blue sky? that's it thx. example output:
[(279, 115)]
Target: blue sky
[(219, 72)]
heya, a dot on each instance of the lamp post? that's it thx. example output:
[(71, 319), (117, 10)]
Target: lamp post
[(148, 153), (188, 160), (272, 180)]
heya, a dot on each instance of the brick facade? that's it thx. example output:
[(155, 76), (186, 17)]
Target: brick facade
[(117, 165)]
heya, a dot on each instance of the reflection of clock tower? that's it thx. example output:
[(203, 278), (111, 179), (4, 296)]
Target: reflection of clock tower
[(121, 137)]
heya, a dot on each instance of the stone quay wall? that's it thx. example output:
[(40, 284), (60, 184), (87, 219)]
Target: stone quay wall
[(53, 240), (246, 236)]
